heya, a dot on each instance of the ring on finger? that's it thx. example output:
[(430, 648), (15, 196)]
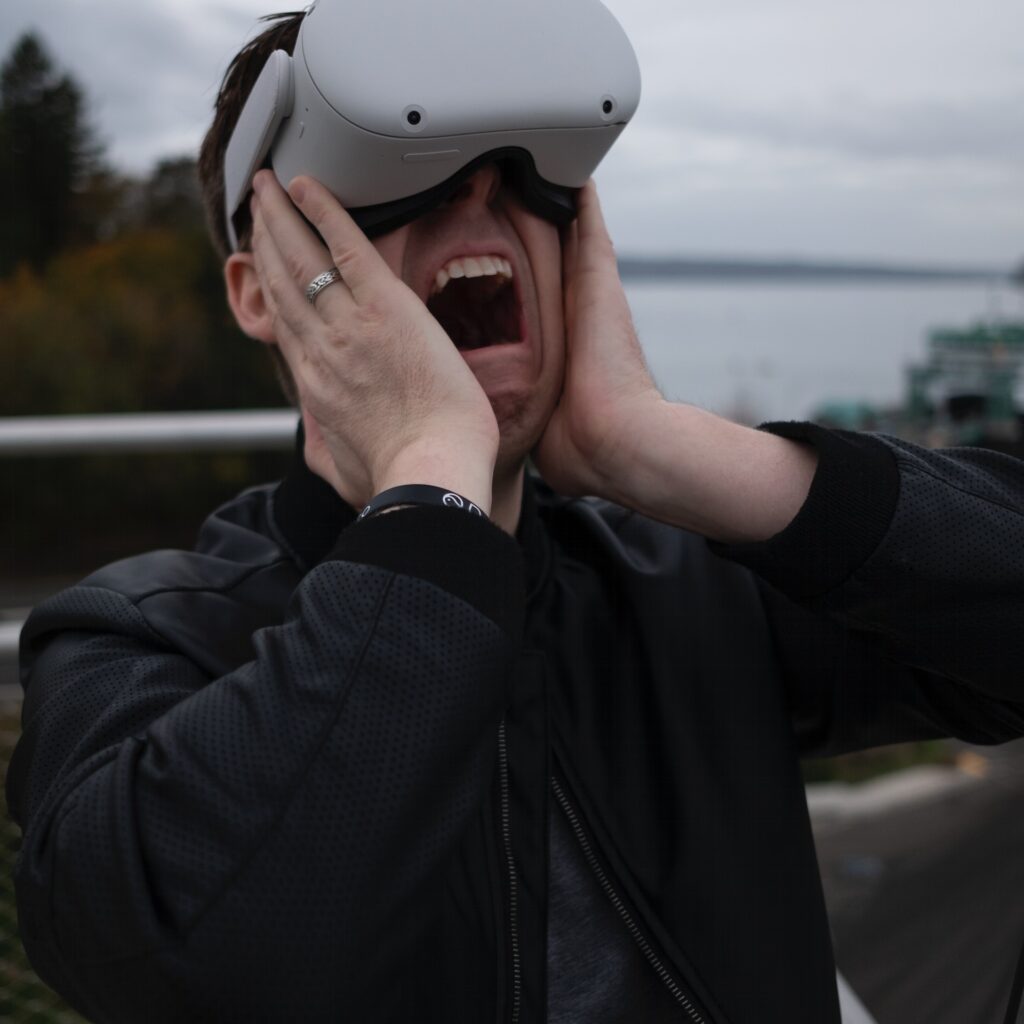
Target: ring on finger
[(320, 282)]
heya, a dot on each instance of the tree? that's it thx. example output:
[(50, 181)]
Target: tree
[(171, 197), (134, 324), (47, 153)]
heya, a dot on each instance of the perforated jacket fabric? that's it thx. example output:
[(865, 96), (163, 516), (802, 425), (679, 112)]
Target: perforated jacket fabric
[(303, 772)]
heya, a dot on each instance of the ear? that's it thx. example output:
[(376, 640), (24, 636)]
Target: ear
[(246, 299)]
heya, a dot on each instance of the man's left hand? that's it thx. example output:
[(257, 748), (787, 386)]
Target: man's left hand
[(614, 436), (607, 387)]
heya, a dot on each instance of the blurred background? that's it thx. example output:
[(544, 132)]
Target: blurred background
[(819, 211)]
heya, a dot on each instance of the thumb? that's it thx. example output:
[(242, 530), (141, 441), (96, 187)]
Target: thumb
[(315, 451)]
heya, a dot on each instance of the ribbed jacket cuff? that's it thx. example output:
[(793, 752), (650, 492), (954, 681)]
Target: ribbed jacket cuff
[(847, 513), (466, 555)]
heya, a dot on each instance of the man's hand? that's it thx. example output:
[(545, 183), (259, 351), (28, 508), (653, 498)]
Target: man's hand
[(589, 439), (614, 436), (386, 397)]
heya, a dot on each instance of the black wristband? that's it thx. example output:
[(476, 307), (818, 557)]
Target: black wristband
[(419, 494)]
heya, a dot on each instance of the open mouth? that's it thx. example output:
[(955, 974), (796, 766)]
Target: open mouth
[(474, 299)]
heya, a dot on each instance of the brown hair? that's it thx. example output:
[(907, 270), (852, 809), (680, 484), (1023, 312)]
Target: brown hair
[(238, 81)]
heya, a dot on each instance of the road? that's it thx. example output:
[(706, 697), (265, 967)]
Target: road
[(927, 901)]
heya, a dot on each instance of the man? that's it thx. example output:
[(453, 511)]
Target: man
[(536, 764)]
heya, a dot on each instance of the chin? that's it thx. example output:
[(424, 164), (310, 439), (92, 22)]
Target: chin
[(520, 425)]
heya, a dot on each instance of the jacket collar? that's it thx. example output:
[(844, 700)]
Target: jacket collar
[(309, 514)]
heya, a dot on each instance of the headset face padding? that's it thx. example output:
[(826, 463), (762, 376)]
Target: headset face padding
[(542, 88), (556, 203)]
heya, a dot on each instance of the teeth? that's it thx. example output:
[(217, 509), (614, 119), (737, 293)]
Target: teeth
[(472, 266)]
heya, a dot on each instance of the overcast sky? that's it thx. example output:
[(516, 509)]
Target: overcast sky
[(875, 129)]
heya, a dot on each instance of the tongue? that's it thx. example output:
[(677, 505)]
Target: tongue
[(477, 312), (468, 335)]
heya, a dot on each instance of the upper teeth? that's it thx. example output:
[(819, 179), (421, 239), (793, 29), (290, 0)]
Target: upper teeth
[(472, 266)]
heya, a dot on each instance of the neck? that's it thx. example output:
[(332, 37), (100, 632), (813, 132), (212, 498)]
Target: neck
[(507, 497)]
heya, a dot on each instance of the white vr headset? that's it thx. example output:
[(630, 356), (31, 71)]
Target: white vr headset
[(392, 104)]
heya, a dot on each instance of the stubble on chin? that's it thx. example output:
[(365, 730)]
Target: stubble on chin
[(521, 425)]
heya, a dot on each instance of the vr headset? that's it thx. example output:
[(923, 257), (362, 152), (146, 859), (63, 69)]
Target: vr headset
[(392, 104)]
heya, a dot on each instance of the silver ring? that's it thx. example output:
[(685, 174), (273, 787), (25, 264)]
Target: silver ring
[(320, 282)]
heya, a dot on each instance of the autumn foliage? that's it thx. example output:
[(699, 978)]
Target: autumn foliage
[(134, 324), (121, 310)]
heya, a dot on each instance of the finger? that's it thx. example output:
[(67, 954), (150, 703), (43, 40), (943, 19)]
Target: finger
[(588, 206), (362, 268), (315, 449), (290, 347), (303, 253), (292, 313), (594, 240), (298, 331), (570, 253), (570, 262)]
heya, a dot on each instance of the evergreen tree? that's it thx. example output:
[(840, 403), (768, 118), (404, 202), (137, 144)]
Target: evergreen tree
[(171, 197), (47, 153)]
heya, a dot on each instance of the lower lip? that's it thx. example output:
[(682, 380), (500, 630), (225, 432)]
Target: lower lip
[(493, 364), (493, 353)]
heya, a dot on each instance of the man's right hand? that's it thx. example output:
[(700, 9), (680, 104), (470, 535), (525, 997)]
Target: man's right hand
[(386, 397)]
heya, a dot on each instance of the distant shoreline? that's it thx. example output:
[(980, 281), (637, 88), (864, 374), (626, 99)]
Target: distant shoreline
[(647, 268)]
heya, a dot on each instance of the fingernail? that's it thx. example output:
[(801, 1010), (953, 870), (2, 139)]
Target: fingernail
[(257, 183), (297, 190)]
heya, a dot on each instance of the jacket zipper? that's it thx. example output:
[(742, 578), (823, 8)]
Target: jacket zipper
[(620, 907), (513, 893)]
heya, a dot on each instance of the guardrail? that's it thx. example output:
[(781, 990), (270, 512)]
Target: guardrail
[(139, 433), (147, 433), (9, 632)]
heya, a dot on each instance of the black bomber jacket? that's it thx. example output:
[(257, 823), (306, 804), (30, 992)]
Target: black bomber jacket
[(302, 772)]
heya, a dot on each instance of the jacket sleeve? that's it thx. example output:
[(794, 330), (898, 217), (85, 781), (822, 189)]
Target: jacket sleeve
[(218, 849), (896, 595)]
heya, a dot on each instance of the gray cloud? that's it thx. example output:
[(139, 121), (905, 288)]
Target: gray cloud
[(796, 127), (975, 128), (150, 69)]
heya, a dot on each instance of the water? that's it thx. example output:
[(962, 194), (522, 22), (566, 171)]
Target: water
[(759, 351)]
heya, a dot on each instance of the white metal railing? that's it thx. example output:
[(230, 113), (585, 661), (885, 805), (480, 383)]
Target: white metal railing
[(9, 632), (147, 432), (139, 433)]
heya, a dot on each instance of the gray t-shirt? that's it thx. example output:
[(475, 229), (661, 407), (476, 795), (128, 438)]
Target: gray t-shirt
[(596, 972)]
